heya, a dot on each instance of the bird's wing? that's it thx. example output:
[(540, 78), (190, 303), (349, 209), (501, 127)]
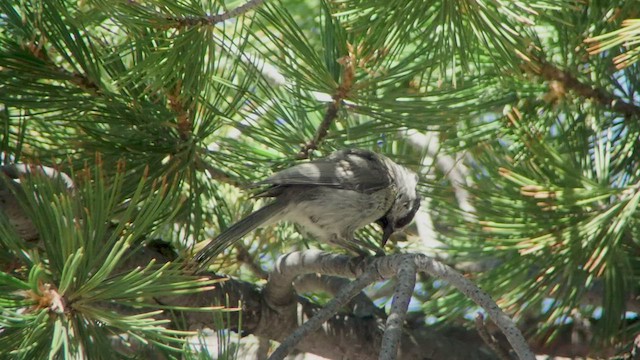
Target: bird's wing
[(357, 170)]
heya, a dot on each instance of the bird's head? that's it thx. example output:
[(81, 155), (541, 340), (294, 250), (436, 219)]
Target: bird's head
[(406, 202)]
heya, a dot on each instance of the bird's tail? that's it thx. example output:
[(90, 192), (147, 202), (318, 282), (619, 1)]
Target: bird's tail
[(237, 231)]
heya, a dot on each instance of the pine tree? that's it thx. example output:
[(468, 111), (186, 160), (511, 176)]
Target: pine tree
[(142, 124)]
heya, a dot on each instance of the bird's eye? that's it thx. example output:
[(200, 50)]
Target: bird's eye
[(404, 221)]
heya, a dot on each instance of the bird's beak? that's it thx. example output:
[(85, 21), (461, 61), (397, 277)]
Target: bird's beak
[(387, 229)]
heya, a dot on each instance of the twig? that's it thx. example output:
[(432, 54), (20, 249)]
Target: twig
[(342, 92), (550, 72), (488, 339), (325, 314), (481, 298), (214, 19), (399, 306), (246, 258), (81, 80), (321, 132), (360, 306)]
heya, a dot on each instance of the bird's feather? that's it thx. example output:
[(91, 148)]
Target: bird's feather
[(231, 235), (348, 169)]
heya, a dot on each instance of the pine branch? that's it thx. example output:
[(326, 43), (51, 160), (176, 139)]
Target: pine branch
[(348, 76), (551, 72), (342, 336), (321, 132), (210, 20), (366, 272), (78, 79)]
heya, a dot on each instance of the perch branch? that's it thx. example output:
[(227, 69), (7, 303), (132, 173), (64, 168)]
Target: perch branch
[(481, 298), (388, 266)]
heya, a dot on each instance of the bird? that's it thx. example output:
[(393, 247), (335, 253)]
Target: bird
[(331, 198)]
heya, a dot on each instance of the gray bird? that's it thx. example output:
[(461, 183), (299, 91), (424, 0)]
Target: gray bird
[(331, 198)]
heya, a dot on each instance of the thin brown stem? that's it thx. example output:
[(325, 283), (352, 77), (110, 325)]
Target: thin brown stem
[(321, 132), (341, 93), (550, 72), (214, 19), (243, 256)]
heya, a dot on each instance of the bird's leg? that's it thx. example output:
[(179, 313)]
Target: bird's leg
[(361, 249), (353, 246), (363, 244)]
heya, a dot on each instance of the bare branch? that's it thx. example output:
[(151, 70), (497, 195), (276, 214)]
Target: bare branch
[(214, 19), (361, 305), (342, 337), (294, 263), (453, 168), (341, 93), (399, 306), (481, 298), (321, 132), (325, 314)]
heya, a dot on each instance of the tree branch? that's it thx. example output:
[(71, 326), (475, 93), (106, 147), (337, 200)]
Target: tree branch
[(506, 325), (347, 82), (550, 72), (344, 336), (329, 310), (399, 306), (321, 132), (80, 80), (291, 264), (360, 306), (211, 20)]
